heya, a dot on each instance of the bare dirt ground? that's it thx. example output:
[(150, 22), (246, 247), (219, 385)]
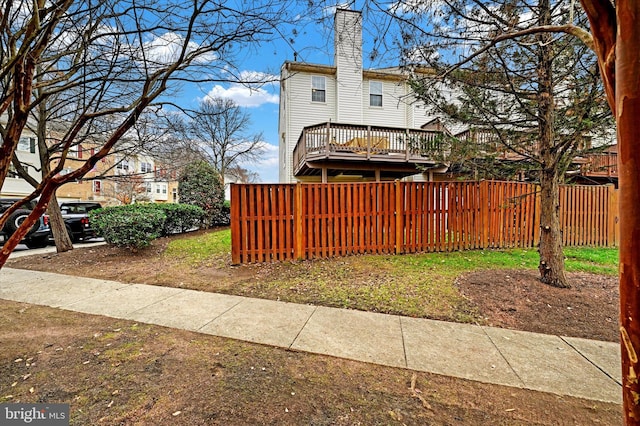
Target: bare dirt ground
[(117, 372)]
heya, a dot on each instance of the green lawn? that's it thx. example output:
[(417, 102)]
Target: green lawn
[(421, 285)]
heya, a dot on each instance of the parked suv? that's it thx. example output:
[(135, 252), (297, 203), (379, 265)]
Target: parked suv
[(76, 219), (38, 235)]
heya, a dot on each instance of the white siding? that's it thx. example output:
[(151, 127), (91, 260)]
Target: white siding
[(299, 111), (393, 112), (16, 187)]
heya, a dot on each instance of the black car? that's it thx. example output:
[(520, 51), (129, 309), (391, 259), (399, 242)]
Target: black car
[(76, 219), (38, 235)]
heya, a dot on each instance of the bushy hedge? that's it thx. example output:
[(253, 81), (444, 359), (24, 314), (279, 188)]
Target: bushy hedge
[(223, 216), (180, 218), (134, 226)]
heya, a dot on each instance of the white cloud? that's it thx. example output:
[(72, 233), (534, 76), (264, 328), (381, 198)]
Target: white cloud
[(166, 49), (249, 92), (267, 166)]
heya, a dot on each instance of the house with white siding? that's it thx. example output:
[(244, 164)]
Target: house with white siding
[(341, 122), (29, 155)]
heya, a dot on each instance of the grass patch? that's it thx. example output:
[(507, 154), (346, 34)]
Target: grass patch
[(418, 285), (595, 260), (208, 249)]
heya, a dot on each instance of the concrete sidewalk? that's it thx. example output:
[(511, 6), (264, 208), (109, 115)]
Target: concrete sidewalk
[(561, 365)]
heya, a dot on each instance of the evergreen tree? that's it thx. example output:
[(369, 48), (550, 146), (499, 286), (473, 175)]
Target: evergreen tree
[(200, 185)]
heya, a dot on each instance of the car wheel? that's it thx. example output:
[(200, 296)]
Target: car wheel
[(39, 242), (16, 219), (71, 236)]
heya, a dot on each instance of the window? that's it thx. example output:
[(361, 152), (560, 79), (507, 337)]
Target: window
[(97, 187), (147, 186), (375, 93), (174, 195), (318, 89), (146, 168), (123, 165), (27, 145)]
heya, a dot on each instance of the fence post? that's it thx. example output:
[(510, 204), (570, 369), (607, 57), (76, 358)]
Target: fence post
[(613, 231), (399, 217), (536, 217), (235, 224), (484, 214), (297, 221)]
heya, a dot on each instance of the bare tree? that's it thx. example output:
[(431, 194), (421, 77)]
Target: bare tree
[(127, 188), (116, 59), (218, 132), (242, 175)]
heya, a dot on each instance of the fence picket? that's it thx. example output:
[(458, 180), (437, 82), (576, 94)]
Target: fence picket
[(306, 221)]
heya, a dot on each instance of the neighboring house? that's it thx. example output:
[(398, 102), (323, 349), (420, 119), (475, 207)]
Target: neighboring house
[(120, 179), (113, 180), (341, 122), (28, 153)]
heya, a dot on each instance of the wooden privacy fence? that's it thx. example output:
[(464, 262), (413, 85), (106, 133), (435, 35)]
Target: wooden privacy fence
[(302, 221)]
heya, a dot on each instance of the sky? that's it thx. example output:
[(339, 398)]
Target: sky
[(313, 44)]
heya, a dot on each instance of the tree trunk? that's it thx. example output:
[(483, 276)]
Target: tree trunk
[(60, 235), (551, 255), (58, 229), (627, 113)]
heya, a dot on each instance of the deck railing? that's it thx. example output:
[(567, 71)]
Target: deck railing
[(603, 164), (327, 140)]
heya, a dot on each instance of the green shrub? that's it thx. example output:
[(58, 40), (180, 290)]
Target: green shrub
[(132, 226), (180, 217), (223, 217)]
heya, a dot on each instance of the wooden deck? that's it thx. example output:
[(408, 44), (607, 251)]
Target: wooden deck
[(600, 165), (332, 149)]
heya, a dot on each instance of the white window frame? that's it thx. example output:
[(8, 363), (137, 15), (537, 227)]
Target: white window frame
[(123, 165), (318, 86), (27, 144), (97, 187), (376, 89), (146, 167)]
